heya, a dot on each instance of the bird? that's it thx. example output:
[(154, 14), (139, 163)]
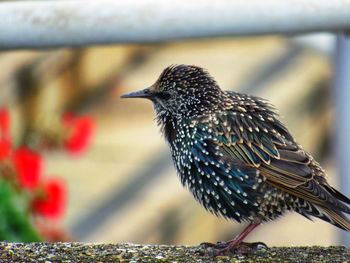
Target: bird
[(237, 158)]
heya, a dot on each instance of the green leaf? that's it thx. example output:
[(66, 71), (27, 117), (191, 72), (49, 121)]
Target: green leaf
[(15, 223)]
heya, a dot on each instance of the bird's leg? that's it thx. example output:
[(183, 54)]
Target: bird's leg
[(236, 244)]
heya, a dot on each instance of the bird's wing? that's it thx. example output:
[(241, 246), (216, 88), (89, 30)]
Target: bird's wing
[(265, 144)]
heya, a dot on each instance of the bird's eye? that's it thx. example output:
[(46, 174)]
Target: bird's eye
[(164, 95)]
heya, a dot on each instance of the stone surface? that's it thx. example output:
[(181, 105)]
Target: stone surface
[(85, 252)]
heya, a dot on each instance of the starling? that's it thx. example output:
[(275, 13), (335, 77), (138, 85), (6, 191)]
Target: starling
[(236, 157)]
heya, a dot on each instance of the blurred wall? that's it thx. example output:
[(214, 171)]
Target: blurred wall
[(124, 189)]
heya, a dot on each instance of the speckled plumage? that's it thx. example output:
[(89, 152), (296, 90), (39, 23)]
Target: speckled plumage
[(235, 156)]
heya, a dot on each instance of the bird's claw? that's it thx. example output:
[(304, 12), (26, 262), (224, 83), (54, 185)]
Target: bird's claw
[(226, 248), (218, 245), (241, 249)]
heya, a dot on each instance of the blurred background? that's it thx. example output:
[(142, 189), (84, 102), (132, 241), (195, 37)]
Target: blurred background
[(103, 173)]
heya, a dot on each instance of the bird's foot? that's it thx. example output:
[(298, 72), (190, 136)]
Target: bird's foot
[(229, 248), (218, 245), (242, 249)]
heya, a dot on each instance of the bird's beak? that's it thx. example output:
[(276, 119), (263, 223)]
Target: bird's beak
[(145, 93)]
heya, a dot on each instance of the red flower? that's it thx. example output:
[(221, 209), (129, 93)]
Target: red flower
[(28, 165), (4, 123), (5, 148), (51, 201), (81, 130), (5, 142)]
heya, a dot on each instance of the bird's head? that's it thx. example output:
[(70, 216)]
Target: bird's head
[(182, 90)]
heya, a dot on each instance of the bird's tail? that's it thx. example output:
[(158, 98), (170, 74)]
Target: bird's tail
[(334, 192), (332, 208), (336, 218), (333, 211), (330, 215)]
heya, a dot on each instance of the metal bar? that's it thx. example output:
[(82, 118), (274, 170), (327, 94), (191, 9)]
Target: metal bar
[(38, 24), (342, 97)]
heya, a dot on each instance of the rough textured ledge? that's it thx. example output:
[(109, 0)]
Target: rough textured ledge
[(83, 252)]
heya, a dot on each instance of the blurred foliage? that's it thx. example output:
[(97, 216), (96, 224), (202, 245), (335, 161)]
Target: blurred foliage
[(15, 224), (29, 199)]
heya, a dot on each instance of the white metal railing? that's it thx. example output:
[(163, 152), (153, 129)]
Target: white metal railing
[(38, 24)]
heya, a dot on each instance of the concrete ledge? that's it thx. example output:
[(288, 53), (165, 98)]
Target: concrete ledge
[(84, 252)]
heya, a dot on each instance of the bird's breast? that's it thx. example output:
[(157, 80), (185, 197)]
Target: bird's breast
[(221, 185)]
